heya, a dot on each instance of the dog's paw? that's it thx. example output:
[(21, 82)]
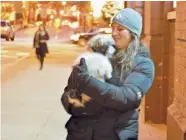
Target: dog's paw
[(85, 98), (75, 102)]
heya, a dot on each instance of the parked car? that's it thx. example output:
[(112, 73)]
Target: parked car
[(7, 30), (83, 37)]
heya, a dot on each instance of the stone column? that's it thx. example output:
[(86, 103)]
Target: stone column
[(156, 38), (176, 117)]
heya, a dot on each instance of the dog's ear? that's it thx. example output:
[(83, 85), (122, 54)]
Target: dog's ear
[(82, 62)]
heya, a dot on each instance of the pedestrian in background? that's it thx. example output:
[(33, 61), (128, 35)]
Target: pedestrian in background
[(40, 44)]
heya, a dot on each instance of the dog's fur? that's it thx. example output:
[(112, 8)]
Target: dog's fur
[(99, 67)]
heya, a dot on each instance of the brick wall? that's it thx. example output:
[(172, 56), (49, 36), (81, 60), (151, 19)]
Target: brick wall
[(154, 38), (168, 59), (176, 118), (166, 40)]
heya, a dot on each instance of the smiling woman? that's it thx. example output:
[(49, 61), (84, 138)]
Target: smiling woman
[(120, 96)]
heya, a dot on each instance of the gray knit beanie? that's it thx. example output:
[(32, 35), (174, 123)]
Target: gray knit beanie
[(130, 19)]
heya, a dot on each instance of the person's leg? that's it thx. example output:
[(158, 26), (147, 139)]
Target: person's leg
[(38, 57), (37, 53), (41, 62)]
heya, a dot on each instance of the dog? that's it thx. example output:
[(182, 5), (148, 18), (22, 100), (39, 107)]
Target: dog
[(99, 67)]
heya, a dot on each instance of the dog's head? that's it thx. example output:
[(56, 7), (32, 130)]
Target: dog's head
[(98, 65), (103, 44)]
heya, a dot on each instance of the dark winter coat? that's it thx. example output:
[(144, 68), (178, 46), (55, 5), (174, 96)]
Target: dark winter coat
[(41, 47), (117, 118)]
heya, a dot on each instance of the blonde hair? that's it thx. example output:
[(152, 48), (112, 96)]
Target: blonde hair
[(124, 58)]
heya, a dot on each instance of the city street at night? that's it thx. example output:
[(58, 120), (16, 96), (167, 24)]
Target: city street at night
[(31, 107), (144, 45), (22, 46), (31, 110)]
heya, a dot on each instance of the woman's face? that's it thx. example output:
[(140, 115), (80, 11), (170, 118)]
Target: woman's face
[(121, 36)]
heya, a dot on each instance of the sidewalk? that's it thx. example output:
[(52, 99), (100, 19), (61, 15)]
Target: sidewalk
[(31, 107)]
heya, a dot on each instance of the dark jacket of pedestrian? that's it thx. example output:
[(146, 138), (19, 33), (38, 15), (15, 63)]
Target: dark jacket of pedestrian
[(40, 43)]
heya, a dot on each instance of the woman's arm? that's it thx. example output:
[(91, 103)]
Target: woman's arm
[(69, 108), (122, 98), (64, 100), (64, 97), (34, 40)]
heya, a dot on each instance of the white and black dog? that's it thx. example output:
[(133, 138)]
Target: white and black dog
[(98, 65)]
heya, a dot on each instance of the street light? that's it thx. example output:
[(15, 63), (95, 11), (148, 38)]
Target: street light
[(61, 12), (51, 16), (23, 4), (174, 4), (97, 7), (64, 3)]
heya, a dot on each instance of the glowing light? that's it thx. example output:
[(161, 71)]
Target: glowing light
[(74, 13), (61, 12), (75, 25), (51, 16), (5, 29), (64, 3), (57, 20), (73, 8), (174, 4), (78, 12), (97, 7)]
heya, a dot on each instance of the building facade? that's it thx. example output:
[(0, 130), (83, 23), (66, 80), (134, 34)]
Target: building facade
[(164, 32)]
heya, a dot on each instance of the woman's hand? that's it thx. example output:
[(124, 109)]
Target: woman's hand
[(80, 75), (36, 46)]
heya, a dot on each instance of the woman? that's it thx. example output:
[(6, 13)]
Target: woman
[(40, 43), (133, 74)]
